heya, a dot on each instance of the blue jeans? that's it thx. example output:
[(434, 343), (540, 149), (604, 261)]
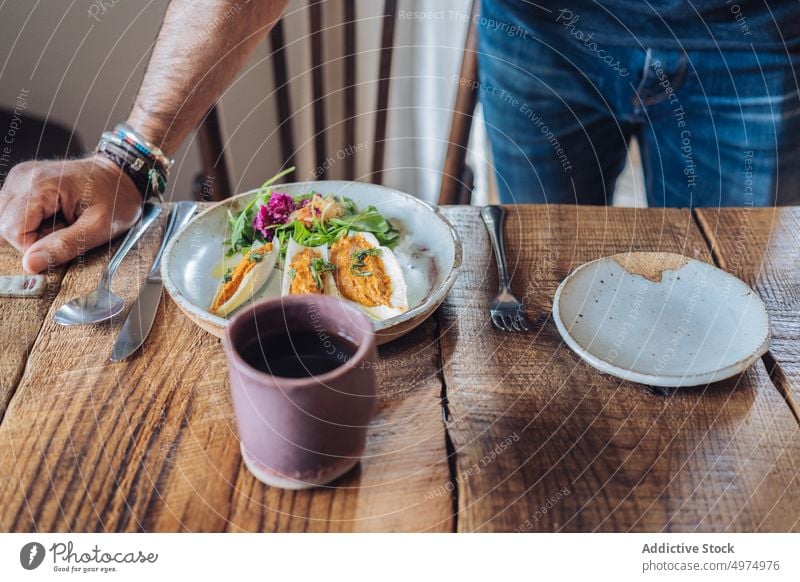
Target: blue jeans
[(714, 128)]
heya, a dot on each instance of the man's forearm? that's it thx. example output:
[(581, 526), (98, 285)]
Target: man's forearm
[(202, 45)]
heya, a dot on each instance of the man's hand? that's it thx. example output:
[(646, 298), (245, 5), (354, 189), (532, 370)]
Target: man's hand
[(191, 65), (93, 196)]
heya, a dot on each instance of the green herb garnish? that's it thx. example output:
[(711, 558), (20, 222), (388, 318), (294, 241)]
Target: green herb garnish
[(256, 257), (318, 267), (226, 278), (358, 258)]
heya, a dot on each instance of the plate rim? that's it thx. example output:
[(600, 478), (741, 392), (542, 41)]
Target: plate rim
[(432, 300), (666, 381)]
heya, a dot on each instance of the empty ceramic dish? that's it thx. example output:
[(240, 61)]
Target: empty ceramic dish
[(661, 319)]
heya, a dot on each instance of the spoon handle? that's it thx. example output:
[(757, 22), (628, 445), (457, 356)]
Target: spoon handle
[(150, 213), (180, 215)]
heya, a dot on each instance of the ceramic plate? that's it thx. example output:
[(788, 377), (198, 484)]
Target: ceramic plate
[(429, 253), (661, 319)]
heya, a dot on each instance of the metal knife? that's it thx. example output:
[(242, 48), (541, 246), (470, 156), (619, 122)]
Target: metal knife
[(143, 312)]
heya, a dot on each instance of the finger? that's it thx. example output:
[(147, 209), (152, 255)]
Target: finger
[(22, 217), (47, 227), (61, 246), (51, 225), (6, 195), (5, 198)]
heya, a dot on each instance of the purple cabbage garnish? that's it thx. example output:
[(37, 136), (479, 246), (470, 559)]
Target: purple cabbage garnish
[(276, 211), (279, 207), (261, 222)]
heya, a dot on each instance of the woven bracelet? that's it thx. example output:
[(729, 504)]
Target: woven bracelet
[(148, 178), (149, 149)]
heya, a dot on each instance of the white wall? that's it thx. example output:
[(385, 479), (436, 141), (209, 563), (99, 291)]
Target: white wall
[(81, 71)]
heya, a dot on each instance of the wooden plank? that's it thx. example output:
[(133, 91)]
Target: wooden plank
[(150, 444), (21, 321), (760, 246), (543, 442), (73, 416)]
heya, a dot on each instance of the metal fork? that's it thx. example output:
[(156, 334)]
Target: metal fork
[(507, 312)]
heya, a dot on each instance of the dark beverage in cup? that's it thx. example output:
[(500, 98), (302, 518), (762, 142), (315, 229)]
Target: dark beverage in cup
[(297, 355), (304, 389)]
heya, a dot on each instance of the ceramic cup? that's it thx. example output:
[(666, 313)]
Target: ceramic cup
[(301, 432)]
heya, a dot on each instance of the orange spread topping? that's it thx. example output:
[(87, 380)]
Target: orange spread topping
[(360, 277), (302, 279), (237, 275)]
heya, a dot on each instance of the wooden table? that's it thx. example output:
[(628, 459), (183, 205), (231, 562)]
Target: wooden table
[(477, 430)]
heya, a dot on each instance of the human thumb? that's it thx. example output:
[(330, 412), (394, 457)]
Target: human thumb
[(63, 245)]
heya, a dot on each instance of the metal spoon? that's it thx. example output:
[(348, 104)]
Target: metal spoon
[(102, 304)]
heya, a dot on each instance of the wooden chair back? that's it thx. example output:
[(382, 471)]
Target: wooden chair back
[(456, 184)]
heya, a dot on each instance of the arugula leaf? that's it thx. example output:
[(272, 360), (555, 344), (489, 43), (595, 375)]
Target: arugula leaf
[(242, 232), (370, 220), (348, 204), (301, 233)]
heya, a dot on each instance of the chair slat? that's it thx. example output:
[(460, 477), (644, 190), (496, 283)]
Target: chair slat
[(454, 189), (283, 97), (350, 85), (384, 77), (318, 87), (212, 153)]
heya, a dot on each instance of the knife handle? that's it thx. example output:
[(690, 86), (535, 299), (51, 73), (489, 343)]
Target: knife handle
[(179, 216)]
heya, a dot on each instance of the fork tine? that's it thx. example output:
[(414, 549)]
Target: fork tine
[(515, 324), (498, 322), (509, 321), (523, 322)]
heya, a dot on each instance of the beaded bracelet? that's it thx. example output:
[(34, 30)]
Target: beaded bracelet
[(150, 150), (136, 149), (148, 177), (143, 161)]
